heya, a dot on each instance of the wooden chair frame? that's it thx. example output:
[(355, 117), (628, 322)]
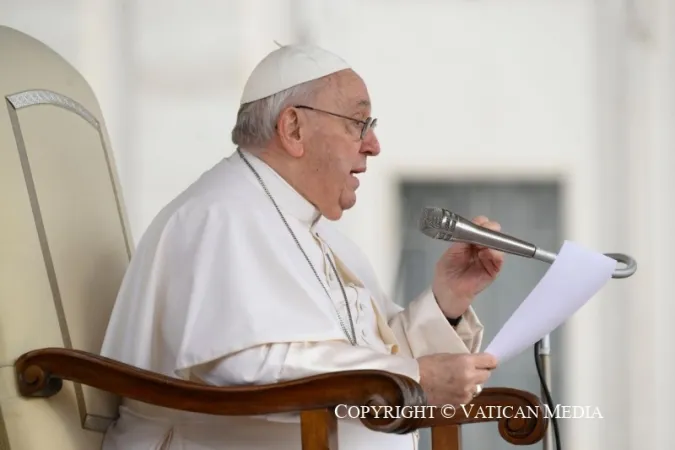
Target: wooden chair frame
[(40, 373)]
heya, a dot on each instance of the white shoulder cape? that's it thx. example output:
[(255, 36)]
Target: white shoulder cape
[(218, 272)]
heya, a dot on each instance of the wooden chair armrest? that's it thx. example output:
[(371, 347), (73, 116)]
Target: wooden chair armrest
[(40, 373)]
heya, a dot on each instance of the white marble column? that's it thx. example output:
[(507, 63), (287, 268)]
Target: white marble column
[(610, 362), (636, 116), (649, 218)]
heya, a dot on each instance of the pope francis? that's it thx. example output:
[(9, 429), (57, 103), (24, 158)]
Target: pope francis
[(243, 279)]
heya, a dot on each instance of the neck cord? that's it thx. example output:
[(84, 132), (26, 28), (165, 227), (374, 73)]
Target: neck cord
[(352, 337)]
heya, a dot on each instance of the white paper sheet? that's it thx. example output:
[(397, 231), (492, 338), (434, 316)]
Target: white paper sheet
[(575, 277)]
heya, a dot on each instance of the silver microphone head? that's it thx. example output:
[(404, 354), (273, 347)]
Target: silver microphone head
[(437, 223)]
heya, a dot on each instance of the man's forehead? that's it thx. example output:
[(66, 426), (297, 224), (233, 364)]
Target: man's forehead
[(350, 90)]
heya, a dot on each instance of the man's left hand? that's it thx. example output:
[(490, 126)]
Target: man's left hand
[(465, 270)]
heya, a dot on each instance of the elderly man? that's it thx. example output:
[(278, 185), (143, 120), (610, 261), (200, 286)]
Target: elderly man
[(243, 279)]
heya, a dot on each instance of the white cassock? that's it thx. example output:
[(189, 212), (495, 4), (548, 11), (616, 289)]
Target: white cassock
[(219, 291)]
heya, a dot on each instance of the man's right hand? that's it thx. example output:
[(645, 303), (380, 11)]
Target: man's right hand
[(453, 378)]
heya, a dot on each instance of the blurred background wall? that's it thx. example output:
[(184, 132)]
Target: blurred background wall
[(554, 117)]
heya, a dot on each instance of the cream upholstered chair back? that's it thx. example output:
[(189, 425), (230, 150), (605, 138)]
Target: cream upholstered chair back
[(64, 240)]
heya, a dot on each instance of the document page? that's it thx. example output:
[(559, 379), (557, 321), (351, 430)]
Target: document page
[(575, 277)]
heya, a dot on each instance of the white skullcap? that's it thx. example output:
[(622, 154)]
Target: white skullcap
[(290, 66)]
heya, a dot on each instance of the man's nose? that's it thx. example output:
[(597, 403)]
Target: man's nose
[(370, 144)]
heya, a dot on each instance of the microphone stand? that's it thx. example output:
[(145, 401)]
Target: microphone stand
[(544, 358)]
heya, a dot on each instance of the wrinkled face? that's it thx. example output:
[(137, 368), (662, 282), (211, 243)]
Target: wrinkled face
[(330, 152)]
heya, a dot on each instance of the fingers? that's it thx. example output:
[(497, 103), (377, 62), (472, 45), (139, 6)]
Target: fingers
[(471, 389), (484, 222), (492, 260), (480, 220), (456, 376), (482, 376), (485, 361)]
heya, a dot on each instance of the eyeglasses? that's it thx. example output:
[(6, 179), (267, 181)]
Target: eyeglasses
[(367, 124)]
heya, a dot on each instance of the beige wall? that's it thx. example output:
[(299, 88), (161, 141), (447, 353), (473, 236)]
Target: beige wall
[(578, 91)]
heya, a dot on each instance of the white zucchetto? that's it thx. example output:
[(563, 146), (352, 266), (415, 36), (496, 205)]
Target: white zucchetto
[(290, 66)]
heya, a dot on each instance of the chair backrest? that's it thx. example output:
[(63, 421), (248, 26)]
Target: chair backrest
[(64, 240)]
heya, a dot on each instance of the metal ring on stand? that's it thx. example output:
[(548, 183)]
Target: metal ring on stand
[(631, 265)]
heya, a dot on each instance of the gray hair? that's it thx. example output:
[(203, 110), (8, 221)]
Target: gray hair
[(257, 120)]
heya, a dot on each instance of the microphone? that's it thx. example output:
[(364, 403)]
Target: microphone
[(439, 223)]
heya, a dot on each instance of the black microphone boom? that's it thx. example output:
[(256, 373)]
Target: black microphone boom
[(439, 223)]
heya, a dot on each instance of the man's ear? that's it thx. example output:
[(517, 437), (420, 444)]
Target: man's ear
[(290, 131)]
